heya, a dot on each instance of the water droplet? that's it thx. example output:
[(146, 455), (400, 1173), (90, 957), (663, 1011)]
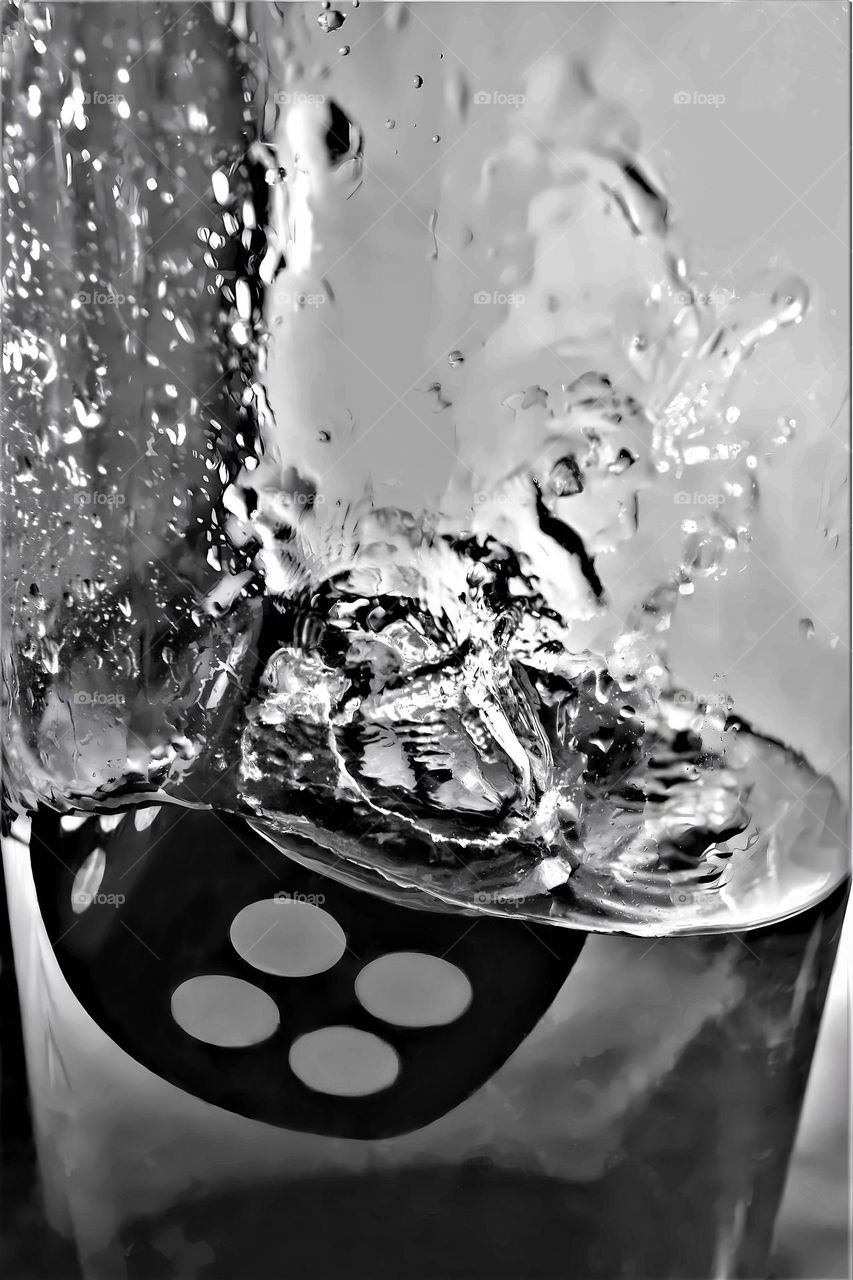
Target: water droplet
[(344, 50), (390, 124), (624, 459), (436, 137), (790, 300), (702, 553), (324, 437), (418, 81), (565, 478), (332, 20), (787, 427)]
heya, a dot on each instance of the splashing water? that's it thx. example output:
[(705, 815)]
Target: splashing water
[(437, 671)]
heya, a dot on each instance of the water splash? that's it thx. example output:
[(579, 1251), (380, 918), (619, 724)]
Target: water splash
[(458, 683)]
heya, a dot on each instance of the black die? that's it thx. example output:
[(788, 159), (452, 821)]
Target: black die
[(371, 1018)]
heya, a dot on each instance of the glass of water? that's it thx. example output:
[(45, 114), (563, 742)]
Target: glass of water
[(424, 644)]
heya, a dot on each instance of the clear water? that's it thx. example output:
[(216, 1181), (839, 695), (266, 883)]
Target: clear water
[(425, 648)]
